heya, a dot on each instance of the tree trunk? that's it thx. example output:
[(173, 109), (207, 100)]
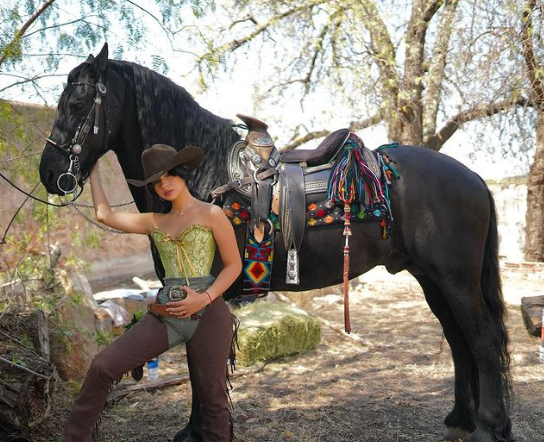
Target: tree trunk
[(534, 221)]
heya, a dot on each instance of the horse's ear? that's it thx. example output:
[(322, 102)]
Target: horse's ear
[(90, 58), (101, 60)]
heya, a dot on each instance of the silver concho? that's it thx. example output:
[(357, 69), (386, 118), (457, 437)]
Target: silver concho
[(262, 141), (101, 89)]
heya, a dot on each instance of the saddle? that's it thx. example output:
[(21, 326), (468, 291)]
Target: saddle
[(281, 183), (259, 155)]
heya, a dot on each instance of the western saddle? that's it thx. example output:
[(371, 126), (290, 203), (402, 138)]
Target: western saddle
[(280, 182)]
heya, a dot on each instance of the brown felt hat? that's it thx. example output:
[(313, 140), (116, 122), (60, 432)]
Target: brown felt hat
[(160, 158)]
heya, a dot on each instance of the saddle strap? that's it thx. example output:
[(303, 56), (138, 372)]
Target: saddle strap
[(293, 205), (261, 198), (292, 216), (221, 190)]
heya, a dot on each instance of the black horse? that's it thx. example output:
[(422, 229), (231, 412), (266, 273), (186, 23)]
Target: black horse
[(445, 227)]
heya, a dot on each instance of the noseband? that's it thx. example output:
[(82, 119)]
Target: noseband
[(73, 149)]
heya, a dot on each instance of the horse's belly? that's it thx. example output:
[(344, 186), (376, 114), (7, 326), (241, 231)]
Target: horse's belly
[(321, 257)]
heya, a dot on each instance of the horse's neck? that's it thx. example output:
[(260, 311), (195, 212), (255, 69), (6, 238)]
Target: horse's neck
[(141, 128)]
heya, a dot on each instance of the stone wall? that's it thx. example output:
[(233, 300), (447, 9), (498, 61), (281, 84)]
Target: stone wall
[(511, 202)]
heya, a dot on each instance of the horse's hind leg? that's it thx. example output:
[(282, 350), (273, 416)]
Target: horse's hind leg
[(482, 326), (460, 422)]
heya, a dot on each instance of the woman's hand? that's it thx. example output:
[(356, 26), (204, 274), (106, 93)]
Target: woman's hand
[(193, 303)]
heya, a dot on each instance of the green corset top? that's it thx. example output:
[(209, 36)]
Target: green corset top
[(189, 254)]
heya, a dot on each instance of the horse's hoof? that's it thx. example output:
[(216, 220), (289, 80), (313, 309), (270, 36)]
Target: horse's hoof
[(189, 438), (480, 436), (456, 433), (185, 435)]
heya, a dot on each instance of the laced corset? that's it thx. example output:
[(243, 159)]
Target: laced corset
[(187, 255)]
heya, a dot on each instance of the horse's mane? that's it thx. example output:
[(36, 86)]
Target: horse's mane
[(168, 114)]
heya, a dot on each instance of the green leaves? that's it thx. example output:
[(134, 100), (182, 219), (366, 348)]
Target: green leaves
[(159, 64)]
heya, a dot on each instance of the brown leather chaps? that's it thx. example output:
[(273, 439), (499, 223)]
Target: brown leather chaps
[(208, 351)]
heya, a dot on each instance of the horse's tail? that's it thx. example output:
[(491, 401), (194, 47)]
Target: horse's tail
[(492, 292)]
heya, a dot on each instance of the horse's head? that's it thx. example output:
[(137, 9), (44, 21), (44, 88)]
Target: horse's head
[(80, 133)]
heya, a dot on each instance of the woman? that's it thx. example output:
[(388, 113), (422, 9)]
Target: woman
[(190, 308)]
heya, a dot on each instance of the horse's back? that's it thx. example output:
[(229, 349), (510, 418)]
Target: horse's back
[(442, 209)]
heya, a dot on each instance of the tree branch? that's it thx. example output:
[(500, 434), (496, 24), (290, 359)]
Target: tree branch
[(242, 20), (20, 367), (58, 25), (366, 123), (435, 76), (28, 80), (383, 53), (433, 7), (318, 46), (299, 141), (353, 126), (236, 43), (436, 141), (410, 104), (6, 50), (145, 11)]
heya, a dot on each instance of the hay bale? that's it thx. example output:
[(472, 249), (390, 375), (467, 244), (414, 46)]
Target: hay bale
[(270, 330)]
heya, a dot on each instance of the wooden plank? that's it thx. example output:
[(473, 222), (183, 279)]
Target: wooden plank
[(531, 311), (124, 389)]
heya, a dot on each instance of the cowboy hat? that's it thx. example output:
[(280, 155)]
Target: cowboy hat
[(160, 158)]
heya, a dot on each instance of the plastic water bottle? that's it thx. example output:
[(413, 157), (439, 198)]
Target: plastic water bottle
[(153, 369), (542, 338)]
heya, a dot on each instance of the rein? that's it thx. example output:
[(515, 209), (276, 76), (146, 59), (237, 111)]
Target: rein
[(71, 203)]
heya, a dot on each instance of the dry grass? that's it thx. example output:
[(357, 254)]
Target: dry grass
[(395, 386)]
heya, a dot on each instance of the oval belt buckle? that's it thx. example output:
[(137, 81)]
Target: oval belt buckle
[(176, 294)]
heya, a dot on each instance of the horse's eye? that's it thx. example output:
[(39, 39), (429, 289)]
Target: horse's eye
[(78, 106)]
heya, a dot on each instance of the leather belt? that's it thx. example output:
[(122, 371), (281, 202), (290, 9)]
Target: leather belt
[(160, 309)]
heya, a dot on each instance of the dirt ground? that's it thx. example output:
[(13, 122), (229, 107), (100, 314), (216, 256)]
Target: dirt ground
[(393, 385)]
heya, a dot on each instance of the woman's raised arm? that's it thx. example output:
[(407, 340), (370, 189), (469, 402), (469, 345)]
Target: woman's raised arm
[(128, 222)]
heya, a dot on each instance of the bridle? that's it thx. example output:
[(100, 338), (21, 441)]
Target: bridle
[(74, 148)]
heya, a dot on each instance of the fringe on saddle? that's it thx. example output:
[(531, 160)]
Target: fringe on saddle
[(352, 181)]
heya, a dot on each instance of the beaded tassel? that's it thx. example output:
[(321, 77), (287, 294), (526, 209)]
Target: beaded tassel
[(349, 181), (347, 234)]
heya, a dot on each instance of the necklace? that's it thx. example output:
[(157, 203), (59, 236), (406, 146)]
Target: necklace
[(181, 213)]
